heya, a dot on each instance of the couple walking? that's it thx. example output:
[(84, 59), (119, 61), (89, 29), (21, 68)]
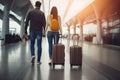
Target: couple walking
[(38, 23)]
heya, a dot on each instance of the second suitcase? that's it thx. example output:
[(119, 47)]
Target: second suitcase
[(75, 54)]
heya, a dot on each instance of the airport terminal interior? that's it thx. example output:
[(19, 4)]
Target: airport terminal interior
[(96, 22)]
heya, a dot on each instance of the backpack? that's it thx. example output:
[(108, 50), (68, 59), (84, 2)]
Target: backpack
[(54, 26)]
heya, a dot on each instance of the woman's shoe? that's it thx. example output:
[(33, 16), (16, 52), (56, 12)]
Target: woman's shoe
[(33, 60)]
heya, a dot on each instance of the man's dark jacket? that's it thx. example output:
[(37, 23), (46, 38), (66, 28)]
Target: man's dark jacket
[(37, 21)]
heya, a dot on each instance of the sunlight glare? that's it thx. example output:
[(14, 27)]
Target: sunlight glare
[(76, 7)]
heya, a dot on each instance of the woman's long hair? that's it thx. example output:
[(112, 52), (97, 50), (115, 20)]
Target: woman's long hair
[(54, 12)]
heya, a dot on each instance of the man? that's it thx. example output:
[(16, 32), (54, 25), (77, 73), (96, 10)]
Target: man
[(37, 22)]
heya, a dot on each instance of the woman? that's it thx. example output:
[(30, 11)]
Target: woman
[(53, 35)]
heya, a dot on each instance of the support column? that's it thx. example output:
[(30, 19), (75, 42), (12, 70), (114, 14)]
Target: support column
[(68, 26), (43, 5), (99, 33), (68, 32), (5, 26), (74, 26), (107, 30), (68, 37), (99, 26), (81, 31), (22, 28)]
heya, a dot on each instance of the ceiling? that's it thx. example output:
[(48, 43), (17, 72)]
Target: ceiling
[(105, 8), (19, 7)]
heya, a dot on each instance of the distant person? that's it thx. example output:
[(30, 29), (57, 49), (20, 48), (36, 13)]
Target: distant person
[(53, 26), (37, 22)]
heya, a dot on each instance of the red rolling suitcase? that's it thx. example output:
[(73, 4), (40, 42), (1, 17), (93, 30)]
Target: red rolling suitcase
[(58, 54), (75, 53)]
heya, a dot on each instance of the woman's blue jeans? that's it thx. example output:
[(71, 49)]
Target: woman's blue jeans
[(52, 36), (33, 36)]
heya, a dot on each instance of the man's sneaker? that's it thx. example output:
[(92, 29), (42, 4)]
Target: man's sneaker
[(33, 60), (38, 63), (50, 62)]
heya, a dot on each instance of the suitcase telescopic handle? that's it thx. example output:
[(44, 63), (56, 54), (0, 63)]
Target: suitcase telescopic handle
[(60, 35), (75, 37)]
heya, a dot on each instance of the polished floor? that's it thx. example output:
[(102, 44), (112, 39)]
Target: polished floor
[(100, 62)]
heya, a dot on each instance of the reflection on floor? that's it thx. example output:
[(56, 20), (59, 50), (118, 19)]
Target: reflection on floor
[(100, 62)]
